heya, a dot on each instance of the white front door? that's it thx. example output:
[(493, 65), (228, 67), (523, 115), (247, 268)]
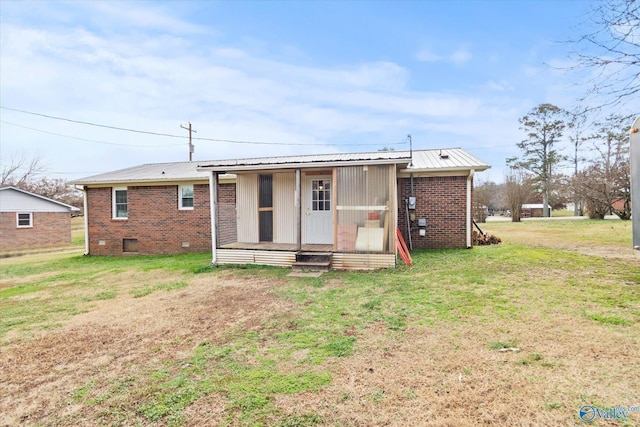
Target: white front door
[(319, 213)]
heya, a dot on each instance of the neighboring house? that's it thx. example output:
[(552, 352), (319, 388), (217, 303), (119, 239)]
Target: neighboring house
[(533, 210), (618, 204), (268, 210), (28, 220)]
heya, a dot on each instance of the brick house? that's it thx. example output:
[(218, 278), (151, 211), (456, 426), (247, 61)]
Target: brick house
[(29, 221), (269, 210)]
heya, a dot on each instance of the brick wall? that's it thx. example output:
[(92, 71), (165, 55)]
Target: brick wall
[(155, 221), (49, 229), (442, 201)]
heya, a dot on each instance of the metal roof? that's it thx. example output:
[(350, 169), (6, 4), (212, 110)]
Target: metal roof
[(154, 172), (445, 158), (449, 159), (423, 160), (312, 160)]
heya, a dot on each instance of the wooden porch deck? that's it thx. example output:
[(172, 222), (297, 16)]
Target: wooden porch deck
[(269, 246)]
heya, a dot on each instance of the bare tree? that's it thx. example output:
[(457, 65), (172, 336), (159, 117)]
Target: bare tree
[(608, 54), (20, 169), (26, 172), (577, 123), (483, 194), (544, 126), (518, 187), (605, 184)]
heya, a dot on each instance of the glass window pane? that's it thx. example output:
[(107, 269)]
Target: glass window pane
[(121, 196), (266, 191), (187, 191), (24, 220), (121, 203)]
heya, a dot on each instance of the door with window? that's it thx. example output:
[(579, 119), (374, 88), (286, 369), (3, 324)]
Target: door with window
[(318, 212)]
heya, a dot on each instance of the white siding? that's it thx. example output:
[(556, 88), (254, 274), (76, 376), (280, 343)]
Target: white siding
[(343, 261), (17, 201), (284, 214), (247, 207), (240, 256)]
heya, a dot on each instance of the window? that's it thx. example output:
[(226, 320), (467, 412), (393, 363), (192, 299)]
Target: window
[(24, 220), (120, 208), (185, 197), (321, 194)]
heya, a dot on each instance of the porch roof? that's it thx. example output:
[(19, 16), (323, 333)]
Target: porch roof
[(449, 159), (307, 161)]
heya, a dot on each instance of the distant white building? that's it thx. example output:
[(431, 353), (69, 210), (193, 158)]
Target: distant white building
[(534, 210)]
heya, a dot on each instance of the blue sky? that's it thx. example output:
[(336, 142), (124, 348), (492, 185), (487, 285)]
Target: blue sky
[(312, 76)]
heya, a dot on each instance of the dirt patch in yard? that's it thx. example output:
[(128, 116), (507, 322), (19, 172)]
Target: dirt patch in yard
[(434, 376), (120, 336)]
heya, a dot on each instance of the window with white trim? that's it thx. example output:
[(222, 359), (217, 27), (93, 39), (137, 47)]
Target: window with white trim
[(185, 197), (120, 205), (24, 220)]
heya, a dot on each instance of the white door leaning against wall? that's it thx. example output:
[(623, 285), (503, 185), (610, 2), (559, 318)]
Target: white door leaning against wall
[(318, 211)]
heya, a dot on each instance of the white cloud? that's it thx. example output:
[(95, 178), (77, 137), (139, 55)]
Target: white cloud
[(499, 86), (426, 55), (158, 80), (459, 56)]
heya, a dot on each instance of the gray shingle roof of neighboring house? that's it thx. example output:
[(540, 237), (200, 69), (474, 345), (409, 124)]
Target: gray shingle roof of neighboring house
[(449, 159), (13, 199)]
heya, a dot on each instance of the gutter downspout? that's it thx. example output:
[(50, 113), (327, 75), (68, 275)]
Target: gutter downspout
[(469, 217), (213, 198), (85, 203)]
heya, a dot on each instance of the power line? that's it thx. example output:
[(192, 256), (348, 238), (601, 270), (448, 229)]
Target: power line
[(93, 124), (85, 139), (231, 141)]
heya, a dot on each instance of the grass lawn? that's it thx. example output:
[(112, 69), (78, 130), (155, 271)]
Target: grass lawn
[(522, 333)]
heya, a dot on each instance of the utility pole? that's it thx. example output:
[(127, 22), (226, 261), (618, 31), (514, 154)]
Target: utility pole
[(191, 149)]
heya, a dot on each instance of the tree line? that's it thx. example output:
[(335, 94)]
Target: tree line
[(27, 173), (575, 156), (566, 158)]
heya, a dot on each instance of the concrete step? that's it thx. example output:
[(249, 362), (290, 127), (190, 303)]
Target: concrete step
[(311, 266), (313, 257)]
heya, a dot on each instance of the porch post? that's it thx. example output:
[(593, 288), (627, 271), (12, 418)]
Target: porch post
[(298, 210), (213, 198), (469, 208)]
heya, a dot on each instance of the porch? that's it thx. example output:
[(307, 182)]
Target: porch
[(272, 246), (284, 255)]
